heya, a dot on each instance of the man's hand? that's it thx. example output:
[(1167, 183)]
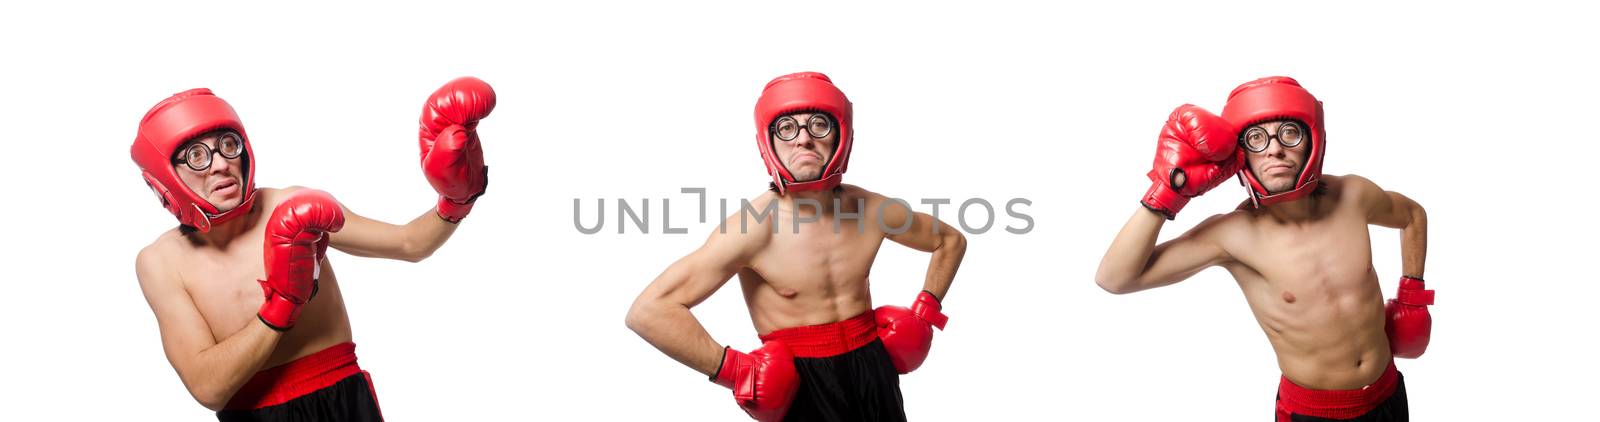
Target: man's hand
[(1197, 150), (764, 381), (451, 156), (907, 333), (1409, 325), (295, 242)]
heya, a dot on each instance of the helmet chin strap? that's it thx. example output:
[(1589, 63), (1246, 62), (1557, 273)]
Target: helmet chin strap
[(1276, 198), (814, 185), (203, 222)]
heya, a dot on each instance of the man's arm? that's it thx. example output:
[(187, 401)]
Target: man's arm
[(1134, 262), (926, 234), (907, 333), (452, 161), (1396, 211), (412, 242), (212, 371), (371, 238), (1194, 153), (661, 314), (1407, 321)]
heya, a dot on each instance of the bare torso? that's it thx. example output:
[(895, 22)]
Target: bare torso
[(222, 281), (1312, 288), (812, 275)]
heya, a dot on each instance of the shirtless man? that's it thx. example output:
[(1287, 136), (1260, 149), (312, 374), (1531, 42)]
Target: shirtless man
[(271, 340), (826, 355), (1298, 248)]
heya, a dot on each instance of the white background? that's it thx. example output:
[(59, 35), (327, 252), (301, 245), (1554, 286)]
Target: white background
[(1485, 115)]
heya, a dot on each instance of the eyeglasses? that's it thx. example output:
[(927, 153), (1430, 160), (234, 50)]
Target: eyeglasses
[(1290, 135), (786, 128), (198, 155)]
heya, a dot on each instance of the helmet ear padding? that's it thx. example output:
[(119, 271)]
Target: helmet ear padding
[(161, 193)]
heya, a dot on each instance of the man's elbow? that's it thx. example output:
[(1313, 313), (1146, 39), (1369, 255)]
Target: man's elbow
[(416, 257), (211, 397), (955, 242), (414, 253), (1113, 285), (638, 318)]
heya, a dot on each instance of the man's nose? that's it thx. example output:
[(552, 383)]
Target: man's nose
[(803, 139), (1274, 148), (219, 164)]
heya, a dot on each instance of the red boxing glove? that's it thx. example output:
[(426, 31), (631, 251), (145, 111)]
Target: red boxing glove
[(1196, 152), (908, 333), (764, 382), (452, 159), (295, 242), (1409, 325)]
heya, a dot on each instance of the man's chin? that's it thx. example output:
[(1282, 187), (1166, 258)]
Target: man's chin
[(805, 174), (227, 204), (1275, 184)]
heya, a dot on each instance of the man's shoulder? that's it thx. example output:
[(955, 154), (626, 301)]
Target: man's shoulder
[(168, 242), (1243, 214), (150, 263), (1352, 190), (1348, 183)]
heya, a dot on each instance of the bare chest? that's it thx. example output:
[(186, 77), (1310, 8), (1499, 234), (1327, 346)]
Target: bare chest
[(814, 257), (223, 284), (1325, 265)]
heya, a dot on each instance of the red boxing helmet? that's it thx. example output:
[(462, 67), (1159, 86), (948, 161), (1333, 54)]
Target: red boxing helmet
[(799, 93), (166, 127), (1274, 98)]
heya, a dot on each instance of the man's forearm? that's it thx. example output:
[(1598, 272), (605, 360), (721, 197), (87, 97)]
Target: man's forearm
[(1414, 243), (214, 374), (425, 234), (1130, 251), (944, 263), (674, 331)]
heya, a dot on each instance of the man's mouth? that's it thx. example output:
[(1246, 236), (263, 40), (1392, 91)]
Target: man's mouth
[(805, 156), (222, 186), (1278, 168)]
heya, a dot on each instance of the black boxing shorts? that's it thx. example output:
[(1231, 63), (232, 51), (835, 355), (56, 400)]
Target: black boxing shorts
[(845, 373), (323, 386)]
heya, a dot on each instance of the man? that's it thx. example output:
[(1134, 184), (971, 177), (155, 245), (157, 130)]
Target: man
[(250, 312), (826, 355), (1298, 249)]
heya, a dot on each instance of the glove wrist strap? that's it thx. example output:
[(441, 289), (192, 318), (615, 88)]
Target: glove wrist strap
[(451, 211), (278, 312), (1164, 200), (927, 308), (1413, 292)]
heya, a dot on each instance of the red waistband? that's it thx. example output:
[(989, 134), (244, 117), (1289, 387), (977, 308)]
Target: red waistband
[(1336, 404), (820, 341), (280, 384)]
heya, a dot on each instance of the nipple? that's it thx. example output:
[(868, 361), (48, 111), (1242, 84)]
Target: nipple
[(787, 292), (1288, 297)]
